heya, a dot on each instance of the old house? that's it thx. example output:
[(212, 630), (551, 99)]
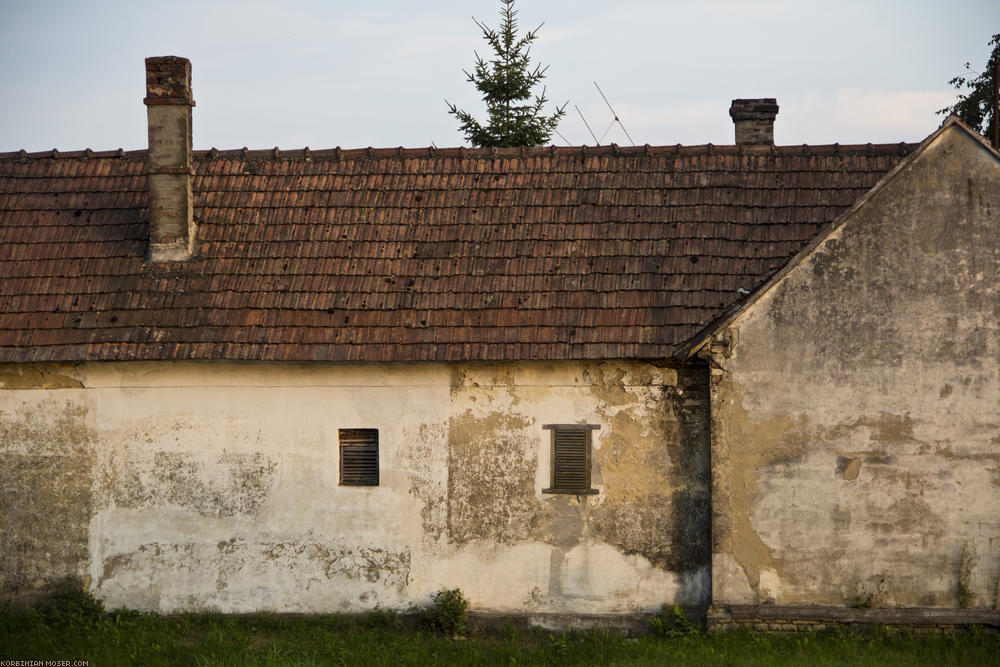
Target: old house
[(565, 380), (856, 401)]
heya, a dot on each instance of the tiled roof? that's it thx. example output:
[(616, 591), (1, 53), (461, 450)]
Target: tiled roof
[(406, 255)]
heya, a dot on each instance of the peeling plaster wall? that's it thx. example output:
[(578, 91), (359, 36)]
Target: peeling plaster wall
[(856, 408), (192, 486), (46, 490)]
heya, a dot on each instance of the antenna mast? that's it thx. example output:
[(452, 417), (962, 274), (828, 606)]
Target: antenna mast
[(616, 120), (562, 137), (596, 140)]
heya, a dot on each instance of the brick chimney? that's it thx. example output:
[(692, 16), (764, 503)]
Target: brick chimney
[(169, 172), (754, 120)]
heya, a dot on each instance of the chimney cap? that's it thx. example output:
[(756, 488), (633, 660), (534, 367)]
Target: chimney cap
[(760, 108), (754, 120), (168, 80)]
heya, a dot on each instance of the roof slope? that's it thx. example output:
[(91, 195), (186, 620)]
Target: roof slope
[(733, 314), (407, 255)]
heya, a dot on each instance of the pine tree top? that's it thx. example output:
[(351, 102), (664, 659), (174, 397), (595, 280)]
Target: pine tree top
[(506, 82)]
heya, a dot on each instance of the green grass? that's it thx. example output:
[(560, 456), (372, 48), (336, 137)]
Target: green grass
[(129, 638)]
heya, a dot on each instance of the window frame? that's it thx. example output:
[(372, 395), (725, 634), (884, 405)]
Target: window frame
[(554, 431), (367, 478)]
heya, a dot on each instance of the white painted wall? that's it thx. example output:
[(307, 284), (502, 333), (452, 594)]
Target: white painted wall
[(215, 485)]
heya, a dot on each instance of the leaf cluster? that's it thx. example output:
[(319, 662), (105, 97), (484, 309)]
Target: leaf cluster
[(68, 602), (506, 81), (446, 614), (672, 624), (975, 105)]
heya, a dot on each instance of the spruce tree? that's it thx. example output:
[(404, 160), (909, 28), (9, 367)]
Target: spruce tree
[(975, 106), (506, 83)]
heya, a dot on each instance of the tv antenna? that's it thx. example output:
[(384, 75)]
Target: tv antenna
[(615, 119), (568, 143), (596, 140)]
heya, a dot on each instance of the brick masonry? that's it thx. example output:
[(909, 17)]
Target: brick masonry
[(789, 618)]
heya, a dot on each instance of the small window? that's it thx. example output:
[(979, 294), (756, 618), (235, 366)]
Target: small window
[(571, 444), (358, 457)]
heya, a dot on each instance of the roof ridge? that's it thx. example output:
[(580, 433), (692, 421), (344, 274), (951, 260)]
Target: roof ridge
[(369, 152), (86, 153)]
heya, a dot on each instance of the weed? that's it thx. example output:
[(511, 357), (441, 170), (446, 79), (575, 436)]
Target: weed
[(510, 632), (672, 624), (447, 612), (603, 638), (558, 645), (381, 618), (963, 586), (69, 604)]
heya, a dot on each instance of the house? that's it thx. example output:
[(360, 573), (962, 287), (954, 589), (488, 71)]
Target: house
[(585, 381), (856, 402)]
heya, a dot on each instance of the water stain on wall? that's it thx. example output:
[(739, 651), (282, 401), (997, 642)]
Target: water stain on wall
[(738, 466), (214, 484), (426, 468), (238, 563), (654, 465), (491, 478), (39, 376), (368, 563), (650, 461), (46, 462)]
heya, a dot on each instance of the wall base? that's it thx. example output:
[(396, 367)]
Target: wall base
[(781, 618), (630, 623)]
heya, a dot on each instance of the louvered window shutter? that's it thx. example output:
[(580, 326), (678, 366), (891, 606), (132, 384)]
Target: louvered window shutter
[(359, 457), (571, 466), (571, 445)]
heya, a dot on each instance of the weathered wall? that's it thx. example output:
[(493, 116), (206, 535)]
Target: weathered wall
[(856, 413), (215, 485), (45, 481)]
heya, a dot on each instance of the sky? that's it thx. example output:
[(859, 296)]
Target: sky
[(354, 74)]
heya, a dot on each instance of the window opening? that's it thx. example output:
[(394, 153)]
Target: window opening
[(571, 460), (358, 456)]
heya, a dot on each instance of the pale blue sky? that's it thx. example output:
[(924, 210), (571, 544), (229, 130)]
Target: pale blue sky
[(355, 74)]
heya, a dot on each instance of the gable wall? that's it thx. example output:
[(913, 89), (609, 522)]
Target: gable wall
[(187, 486), (856, 411)]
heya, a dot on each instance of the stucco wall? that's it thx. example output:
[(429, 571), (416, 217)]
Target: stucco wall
[(856, 405), (186, 486)]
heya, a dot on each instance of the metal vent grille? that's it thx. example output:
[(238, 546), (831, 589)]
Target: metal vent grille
[(358, 456)]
